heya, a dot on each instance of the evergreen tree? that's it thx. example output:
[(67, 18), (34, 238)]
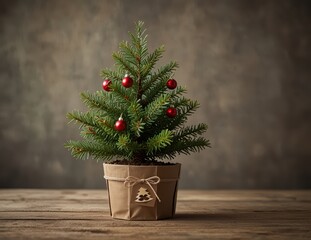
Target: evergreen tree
[(141, 116)]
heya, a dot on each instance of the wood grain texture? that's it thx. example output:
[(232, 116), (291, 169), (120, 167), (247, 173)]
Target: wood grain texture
[(84, 214)]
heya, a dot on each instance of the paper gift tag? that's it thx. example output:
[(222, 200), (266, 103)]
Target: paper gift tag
[(142, 195)]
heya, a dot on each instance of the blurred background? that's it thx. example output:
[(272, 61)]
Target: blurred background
[(247, 62)]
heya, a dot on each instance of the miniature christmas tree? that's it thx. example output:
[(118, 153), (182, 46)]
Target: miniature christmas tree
[(140, 114)]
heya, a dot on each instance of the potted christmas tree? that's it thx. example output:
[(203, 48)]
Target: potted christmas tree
[(134, 124)]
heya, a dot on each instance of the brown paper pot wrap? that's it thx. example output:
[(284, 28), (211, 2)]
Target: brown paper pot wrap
[(142, 192)]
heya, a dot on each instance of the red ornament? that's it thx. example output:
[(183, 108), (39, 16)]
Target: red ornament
[(120, 125), (106, 84), (127, 81), (171, 83), (171, 112)]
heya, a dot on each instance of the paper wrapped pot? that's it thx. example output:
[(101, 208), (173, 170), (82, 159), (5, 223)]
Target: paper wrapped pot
[(142, 192)]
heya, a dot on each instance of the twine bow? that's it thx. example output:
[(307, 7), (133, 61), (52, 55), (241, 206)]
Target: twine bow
[(130, 181)]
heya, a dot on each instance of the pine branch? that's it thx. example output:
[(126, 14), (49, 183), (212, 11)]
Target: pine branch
[(129, 53), (124, 96), (185, 108), (114, 76), (160, 141), (163, 73), (83, 149), (141, 46), (103, 102), (139, 40), (96, 134), (184, 111), (127, 145), (135, 110), (125, 66), (150, 61), (183, 147), (85, 119), (161, 121), (136, 114), (189, 132), (137, 127), (156, 109), (104, 126), (176, 93)]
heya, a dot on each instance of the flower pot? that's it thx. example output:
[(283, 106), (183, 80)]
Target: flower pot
[(142, 192)]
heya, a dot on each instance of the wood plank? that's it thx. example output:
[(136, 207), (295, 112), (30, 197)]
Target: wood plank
[(84, 214)]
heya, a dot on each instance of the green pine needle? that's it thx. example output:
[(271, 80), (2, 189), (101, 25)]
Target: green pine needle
[(160, 141)]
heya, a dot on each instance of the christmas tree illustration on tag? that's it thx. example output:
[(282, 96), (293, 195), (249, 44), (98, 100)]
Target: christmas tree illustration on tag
[(142, 195)]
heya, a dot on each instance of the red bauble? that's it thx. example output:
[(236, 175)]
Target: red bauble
[(120, 125), (106, 84), (171, 84), (171, 112), (127, 81)]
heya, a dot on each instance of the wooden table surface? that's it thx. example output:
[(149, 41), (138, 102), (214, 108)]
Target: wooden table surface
[(84, 214)]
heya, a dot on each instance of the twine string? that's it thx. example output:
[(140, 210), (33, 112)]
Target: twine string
[(131, 181)]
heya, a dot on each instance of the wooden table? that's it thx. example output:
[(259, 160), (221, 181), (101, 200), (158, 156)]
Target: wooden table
[(84, 214)]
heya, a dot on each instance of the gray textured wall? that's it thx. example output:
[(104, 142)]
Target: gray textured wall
[(247, 62)]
